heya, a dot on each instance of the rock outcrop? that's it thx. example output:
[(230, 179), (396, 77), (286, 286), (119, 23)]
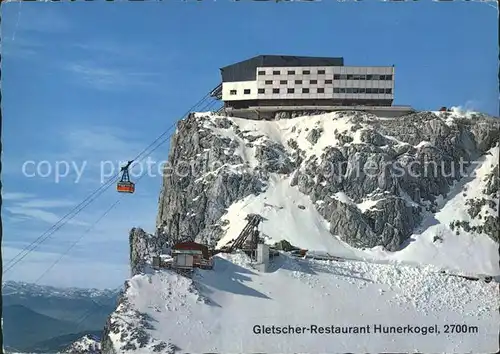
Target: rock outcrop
[(406, 163), (402, 167), (142, 247), (88, 344)]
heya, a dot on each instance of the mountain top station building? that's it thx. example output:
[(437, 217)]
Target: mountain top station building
[(261, 86)]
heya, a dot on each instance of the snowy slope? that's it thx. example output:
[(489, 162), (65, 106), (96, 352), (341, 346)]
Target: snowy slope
[(468, 252), (281, 131), (217, 310), (267, 167), (87, 344), (279, 204)]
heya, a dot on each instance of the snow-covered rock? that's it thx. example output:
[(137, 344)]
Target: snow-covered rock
[(398, 199), (34, 290), (218, 310), (405, 169), (85, 345)]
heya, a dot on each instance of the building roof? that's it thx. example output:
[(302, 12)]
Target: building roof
[(245, 70), (291, 60), (192, 246)]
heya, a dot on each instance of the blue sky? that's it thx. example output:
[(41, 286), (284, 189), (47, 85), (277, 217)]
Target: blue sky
[(85, 83)]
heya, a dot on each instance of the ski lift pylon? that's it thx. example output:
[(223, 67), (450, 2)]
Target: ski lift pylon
[(125, 185)]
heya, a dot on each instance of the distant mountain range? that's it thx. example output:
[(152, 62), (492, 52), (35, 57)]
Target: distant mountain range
[(46, 319)]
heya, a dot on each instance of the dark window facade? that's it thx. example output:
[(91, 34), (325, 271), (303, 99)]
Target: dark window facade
[(313, 82), (276, 90), (246, 91), (321, 72), (283, 82), (305, 90), (291, 90), (306, 72), (291, 72), (361, 77), (232, 92), (276, 72), (298, 82), (359, 90), (328, 82), (269, 82), (321, 90), (262, 91), (262, 72)]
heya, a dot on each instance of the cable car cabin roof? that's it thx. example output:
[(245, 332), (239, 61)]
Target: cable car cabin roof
[(191, 246), (192, 252)]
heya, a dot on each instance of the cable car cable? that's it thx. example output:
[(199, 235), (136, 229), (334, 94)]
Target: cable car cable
[(78, 240), (98, 220), (112, 206), (57, 225), (96, 191)]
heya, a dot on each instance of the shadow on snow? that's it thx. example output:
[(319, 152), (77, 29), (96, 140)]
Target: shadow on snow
[(228, 277)]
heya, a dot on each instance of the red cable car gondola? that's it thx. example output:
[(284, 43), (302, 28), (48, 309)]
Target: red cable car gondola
[(125, 186)]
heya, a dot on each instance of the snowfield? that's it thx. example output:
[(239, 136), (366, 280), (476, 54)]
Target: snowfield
[(468, 252), (217, 310)]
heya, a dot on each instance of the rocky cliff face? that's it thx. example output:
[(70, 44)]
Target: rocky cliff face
[(373, 180), (199, 184), (143, 247), (401, 165)]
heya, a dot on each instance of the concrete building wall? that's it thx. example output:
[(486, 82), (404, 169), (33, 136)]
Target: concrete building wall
[(262, 253), (239, 90), (328, 82)]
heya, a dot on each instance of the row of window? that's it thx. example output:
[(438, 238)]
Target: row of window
[(300, 82), (336, 76), (292, 72), (322, 90)]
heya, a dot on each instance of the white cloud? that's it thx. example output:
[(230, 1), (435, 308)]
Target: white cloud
[(110, 50), (22, 208), (43, 203), (15, 196), (104, 141), (106, 78), (470, 106), (40, 215), (104, 150)]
